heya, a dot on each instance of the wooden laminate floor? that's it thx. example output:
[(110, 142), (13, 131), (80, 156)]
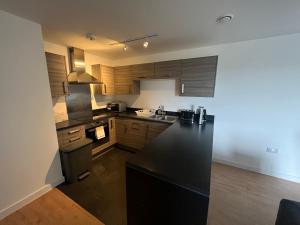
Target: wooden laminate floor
[(53, 208), (238, 197)]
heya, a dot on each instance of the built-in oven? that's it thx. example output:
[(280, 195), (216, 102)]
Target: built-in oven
[(98, 131)]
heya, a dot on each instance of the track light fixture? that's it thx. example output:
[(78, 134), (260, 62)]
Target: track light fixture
[(145, 43)]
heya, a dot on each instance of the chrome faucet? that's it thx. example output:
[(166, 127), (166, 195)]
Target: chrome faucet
[(161, 110)]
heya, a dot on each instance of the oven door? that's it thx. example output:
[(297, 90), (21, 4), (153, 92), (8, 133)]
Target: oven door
[(91, 133)]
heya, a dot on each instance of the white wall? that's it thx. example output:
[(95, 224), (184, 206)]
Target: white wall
[(59, 104), (29, 160), (256, 102)]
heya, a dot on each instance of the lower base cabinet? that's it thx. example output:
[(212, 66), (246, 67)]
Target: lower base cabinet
[(151, 200), (136, 133)]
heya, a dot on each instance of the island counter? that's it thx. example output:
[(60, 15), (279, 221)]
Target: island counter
[(168, 182)]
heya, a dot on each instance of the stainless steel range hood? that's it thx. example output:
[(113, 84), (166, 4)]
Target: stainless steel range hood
[(77, 68)]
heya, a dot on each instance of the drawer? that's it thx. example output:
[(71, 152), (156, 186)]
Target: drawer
[(70, 135), (70, 140), (74, 131)]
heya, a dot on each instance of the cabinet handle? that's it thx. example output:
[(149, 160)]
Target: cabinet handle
[(182, 88), (111, 124), (66, 87), (141, 77), (73, 131), (74, 139), (105, 88)]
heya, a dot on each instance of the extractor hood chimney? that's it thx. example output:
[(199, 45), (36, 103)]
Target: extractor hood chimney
[(77, 68)]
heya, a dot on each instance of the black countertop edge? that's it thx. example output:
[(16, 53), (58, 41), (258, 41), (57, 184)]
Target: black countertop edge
[(128, 114), (73, 123), (106, 114), (134, 116), (182, 154), (165, 179)]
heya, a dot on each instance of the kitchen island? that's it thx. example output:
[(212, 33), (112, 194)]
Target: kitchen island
[(168, 182)]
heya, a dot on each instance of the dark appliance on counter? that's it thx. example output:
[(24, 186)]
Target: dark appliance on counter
[(76, 160), (116, 107), (91, 131), (187, 115)]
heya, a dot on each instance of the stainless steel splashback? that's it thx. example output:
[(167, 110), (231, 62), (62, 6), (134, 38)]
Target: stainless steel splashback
[(79, 102)]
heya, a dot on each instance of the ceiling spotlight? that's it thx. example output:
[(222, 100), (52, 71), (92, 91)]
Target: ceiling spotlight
[(125, 48), (224, 19), (145, 44)]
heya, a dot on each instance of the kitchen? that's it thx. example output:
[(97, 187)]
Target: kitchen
[(134, 123)]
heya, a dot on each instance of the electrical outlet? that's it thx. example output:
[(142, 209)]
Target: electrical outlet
[(272, 150)]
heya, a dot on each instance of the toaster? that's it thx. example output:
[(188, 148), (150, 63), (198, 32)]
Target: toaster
[(187, 115), (117, 106)]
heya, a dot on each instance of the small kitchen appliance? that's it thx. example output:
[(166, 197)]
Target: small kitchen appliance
[(187, 115), (117, 106)]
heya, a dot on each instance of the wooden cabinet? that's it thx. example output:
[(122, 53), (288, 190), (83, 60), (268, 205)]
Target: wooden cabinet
[(154, 129), (104, 74), (57, 72), (122, 125), (167, 69), (70, 135), (131, 133), (124, 81), (112, 131), (136, 133), (194, 77), (198, 77), (142, 71)]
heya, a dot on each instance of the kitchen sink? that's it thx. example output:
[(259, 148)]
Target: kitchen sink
[(164, 118)]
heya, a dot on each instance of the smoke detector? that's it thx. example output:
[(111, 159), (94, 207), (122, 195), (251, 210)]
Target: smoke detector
[(224, 19), (90, 36)]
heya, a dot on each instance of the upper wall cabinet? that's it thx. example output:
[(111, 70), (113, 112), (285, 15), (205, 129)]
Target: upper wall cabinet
[(104, 74), (167, 69), (57, 73), (125, 82), (198, 77), (142, 71)]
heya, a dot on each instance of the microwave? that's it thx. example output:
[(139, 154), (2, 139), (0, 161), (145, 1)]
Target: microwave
[(117, 106)]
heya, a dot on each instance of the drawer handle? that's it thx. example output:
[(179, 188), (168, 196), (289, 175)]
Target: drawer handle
[(74, 139), (74, 131), (182, 88)]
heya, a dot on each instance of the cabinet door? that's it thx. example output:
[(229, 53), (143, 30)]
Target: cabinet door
[(122, 126), (104, 74), (142, 71), (198, 77), (124, 81), (137, 134), (167, 69), (57, 72), (107, 77), (112, 131), (154, 129)]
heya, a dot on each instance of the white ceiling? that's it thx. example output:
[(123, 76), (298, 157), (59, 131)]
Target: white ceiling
[(180, 23)]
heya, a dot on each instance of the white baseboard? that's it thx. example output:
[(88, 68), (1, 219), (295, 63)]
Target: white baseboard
[(29, 198), (258, 170)]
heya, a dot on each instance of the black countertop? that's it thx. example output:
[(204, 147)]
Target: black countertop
[(132, 115), (181, 155), (72, 123)]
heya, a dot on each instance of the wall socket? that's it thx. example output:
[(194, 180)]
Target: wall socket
[(272, 150)]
